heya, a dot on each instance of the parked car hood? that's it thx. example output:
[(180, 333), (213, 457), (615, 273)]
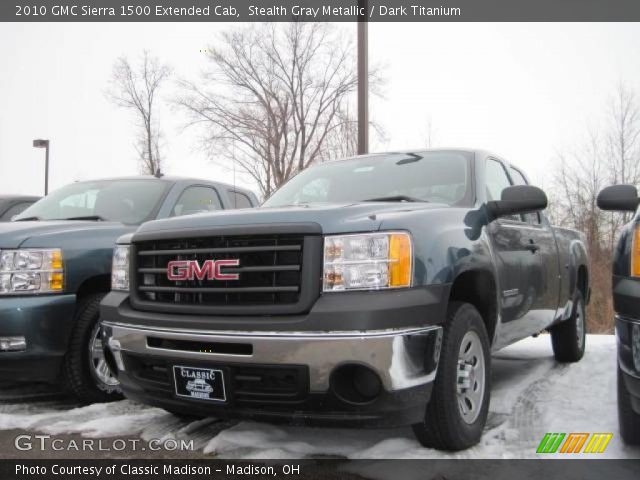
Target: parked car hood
[(51, 233), (332, 218)]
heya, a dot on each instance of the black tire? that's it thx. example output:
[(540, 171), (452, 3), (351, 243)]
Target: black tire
[(77, 375), (567, 338), (628, 419), (444, 426)]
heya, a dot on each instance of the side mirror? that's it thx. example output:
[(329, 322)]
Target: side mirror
[(622, 198), (518, 199)]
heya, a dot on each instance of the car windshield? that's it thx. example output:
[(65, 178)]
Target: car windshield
[(127, 201), (441, 177)]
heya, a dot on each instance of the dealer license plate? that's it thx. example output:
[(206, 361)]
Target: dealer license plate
[(199, 383)]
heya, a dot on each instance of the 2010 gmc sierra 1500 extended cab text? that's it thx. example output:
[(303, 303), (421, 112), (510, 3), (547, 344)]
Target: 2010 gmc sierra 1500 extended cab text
[(364, 291)]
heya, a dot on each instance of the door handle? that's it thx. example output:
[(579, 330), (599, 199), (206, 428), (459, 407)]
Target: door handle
[(532, 246)]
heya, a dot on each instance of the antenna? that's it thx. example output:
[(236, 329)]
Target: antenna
[(233, 162)]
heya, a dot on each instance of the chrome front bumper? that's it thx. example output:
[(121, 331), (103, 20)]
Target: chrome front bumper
[(402, 358)]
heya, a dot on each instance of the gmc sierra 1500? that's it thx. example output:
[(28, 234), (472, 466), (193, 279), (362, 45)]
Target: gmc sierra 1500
[(364, 291), (55, 267)]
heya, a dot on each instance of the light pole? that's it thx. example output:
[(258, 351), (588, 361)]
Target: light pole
[(363, 80), (39, 143)]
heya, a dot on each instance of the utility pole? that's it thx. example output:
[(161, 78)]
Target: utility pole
[(363, 80), (44, 144)]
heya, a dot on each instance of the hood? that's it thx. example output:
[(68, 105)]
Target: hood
[(51, 233), (332, 218)]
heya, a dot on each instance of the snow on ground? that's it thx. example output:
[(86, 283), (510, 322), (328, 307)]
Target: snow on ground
[(531, 395)]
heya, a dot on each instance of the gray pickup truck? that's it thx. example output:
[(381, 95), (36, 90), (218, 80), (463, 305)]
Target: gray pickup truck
[(366, 291), (55, 267), (12, 205)]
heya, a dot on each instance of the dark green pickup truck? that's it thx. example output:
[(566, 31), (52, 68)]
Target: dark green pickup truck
[(55, 268), (626, 304), (365, 291), (12, 205)]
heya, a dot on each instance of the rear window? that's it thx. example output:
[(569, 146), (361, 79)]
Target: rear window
[(239, 200), (14, 210)]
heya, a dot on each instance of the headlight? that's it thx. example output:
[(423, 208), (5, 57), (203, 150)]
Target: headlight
[(367, 261), (31, 271), (120, 268)]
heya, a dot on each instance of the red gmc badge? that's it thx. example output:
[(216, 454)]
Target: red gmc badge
[(192, 270)]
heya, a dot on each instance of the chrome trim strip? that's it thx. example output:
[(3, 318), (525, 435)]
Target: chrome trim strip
[(397, 356), (260, 334)]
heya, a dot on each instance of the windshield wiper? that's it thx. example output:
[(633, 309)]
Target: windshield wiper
[(85, 217), (27, 219), (395, 198)]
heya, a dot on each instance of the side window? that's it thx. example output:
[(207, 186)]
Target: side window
[(497, 180), (518, 179), (14, 210), (197, 199), (239, 200)]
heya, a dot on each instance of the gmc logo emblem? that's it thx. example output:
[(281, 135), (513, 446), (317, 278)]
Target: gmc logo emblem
[(210, 270)]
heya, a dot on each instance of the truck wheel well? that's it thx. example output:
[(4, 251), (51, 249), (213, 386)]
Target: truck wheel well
[(98, 284), (479, 289), (582, 281)]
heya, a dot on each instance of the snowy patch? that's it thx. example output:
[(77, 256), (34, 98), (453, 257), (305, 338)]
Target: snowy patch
[(97, 420), (531, 395)]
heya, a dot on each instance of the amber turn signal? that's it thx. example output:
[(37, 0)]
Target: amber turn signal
[(400, 260)]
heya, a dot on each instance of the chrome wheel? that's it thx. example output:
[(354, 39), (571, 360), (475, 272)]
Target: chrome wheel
[(471, 377), (580, 324), (98, 365)]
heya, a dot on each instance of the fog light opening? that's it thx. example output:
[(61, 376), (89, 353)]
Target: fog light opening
[(114, 355), (356, 384), (13, 344), (111, 362)]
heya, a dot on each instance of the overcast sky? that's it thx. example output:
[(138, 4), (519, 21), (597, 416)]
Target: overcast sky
[(523, 91)]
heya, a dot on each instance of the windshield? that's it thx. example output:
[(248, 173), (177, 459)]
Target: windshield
[(126, 201), (441, 177)]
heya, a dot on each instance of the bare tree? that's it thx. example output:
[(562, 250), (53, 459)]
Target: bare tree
[(623, 147), (624, 136), (342, 141), (579, 177), (609, 155), (276, 99), (136, 87)]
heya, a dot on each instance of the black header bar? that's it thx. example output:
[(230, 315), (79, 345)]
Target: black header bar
[(326, 469), (319, 10)]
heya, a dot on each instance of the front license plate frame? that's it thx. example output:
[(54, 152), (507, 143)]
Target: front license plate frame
[(199, 383)]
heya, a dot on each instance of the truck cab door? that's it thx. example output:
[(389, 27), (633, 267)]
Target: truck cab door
[(542, 243), (526, 262)]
